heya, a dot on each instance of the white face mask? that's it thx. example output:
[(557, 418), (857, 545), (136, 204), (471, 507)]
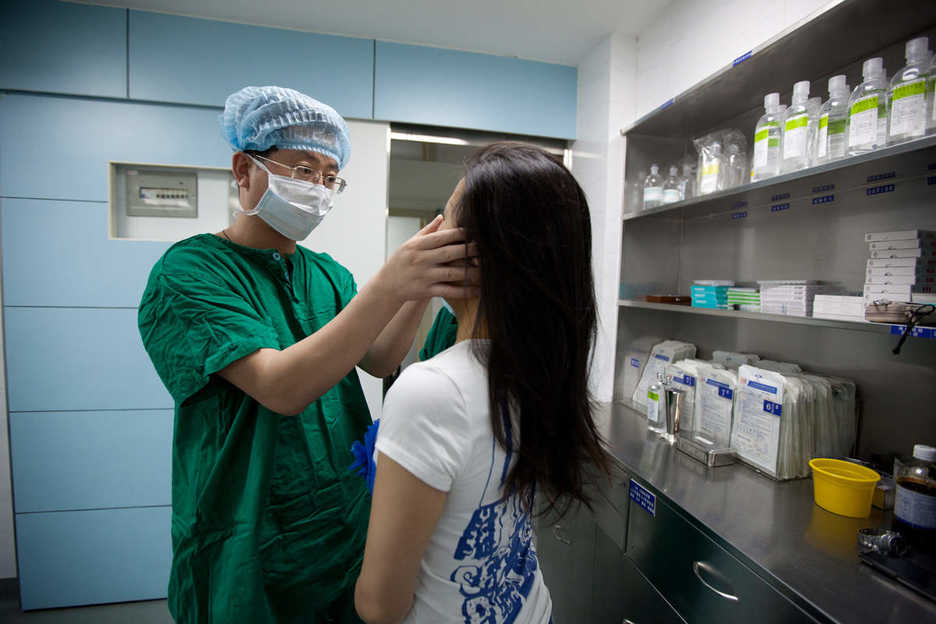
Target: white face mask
[(292, 207)]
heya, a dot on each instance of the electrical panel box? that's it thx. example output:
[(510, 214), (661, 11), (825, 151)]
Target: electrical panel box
[(166, 193), (169, 202)]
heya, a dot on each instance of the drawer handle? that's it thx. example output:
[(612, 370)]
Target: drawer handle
[(700, 566), (560, 535)]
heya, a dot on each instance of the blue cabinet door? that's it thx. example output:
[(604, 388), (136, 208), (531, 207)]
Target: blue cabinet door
[(438, 87), (197, 61), (60, 47)]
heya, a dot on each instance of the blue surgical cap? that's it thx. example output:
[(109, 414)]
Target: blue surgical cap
[(258, 118)]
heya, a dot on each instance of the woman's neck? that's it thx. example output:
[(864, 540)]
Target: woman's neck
[(466, 314)]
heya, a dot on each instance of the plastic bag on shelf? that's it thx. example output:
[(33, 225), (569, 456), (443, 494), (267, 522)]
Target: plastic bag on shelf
[(632, 364), (723, 161)]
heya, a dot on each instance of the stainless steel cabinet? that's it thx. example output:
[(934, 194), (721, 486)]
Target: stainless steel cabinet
[(702, 580), (565, 549)]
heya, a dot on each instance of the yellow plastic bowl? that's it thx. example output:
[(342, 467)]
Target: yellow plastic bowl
[(842, 487)]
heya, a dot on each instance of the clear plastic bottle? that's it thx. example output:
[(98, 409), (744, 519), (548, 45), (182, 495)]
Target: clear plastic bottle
[(813, 105), (653, 188), (656, 407), (712, 169), (767, 140), (671, 192), (687, 182), (737, 163), (833, 117), (907, 94), (915, 504), (794, 140), (931, 99), (867, 109)]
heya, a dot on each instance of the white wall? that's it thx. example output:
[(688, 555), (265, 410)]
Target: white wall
[(694, 38), (7, 544), (622, 79), (354, 232)]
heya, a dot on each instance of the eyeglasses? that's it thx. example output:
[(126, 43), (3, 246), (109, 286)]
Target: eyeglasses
[(308, 174)]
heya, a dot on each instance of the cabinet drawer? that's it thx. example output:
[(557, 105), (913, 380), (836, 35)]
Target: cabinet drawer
[(609, 505), (697, 576)]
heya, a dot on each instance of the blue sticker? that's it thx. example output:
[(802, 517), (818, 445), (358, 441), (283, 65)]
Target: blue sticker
[(665, 358), (725, 393), (739, 215), (644, 498), (931, 180), (740, 204), (686, 380), (823, 188), (667, 104), (635, 362), (882, 176), (916, 332), (760, 386), (779, 207), (877, 190), (773, 408), (780, 196), (825, 199), (742, 58)]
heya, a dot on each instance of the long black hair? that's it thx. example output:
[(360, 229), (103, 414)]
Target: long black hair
[(530, 220)]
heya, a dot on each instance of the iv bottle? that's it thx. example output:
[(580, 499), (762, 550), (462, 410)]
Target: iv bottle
[(833, 117), (671, 192), (907, 95), (767, 140), (931, 99), (656, 406), (796, 130), (867, 109), (813, 105), (687, 182), (915, 505), (653, 188), (736, 166)]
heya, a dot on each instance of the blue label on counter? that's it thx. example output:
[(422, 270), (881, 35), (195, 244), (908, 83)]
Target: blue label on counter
[(773, 408), (665, 358), (877, 190), (825, 199), (635, 362), (644, 498), (779, 207), (916, 332), (760, 386)]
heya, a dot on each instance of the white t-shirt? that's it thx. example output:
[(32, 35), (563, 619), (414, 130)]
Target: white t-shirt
[(480, 565)]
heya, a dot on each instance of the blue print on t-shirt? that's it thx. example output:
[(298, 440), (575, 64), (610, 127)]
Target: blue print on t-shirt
[(497, 546), (500, 563)]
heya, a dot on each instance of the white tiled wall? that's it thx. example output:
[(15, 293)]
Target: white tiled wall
[(622, 79)]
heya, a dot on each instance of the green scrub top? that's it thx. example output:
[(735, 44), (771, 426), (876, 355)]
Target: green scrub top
[(268, 523), (441, 335)]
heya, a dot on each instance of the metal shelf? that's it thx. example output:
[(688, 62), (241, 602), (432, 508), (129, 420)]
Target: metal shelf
[(838, 36), (765, 187), (865, 326)]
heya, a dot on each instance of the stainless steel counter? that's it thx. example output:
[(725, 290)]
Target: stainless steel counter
[(775, 528)]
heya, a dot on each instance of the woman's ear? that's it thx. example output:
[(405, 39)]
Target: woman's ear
[(240, 167)]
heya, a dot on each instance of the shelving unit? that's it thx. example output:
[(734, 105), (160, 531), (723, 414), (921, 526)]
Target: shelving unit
[(804, 225)]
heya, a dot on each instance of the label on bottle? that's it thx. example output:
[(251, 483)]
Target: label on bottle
[(862, 122), (822, 147), (908, 110), (794, 136), (709, 182), (915, 508), (671, 196), (653, 195), (653, 407)]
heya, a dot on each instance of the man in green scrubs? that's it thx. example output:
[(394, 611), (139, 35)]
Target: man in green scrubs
[(257, 340)]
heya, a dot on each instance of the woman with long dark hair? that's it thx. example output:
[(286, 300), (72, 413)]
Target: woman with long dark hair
[(472, 441)]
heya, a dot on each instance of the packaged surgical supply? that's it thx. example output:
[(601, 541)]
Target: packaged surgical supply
[(714, 403), (662, 354), (631, 364), (758, 413), (684, 376), (732, 360)]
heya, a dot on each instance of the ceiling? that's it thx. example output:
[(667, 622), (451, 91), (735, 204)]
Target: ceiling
[(555, 31)]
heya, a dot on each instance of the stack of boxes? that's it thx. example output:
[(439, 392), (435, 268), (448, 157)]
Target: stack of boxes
[(790, 297), (711, 294), (901, 264), (839, 308), (747, 299)]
